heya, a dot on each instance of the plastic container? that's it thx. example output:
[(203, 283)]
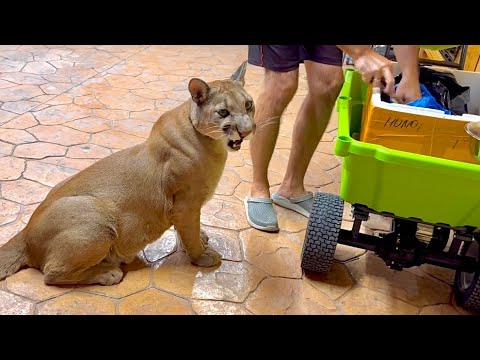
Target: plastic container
[(405, 184)]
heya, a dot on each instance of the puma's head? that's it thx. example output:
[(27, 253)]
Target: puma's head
[(223, 109)]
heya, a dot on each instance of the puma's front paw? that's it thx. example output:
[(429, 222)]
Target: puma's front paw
[(209, 258), (204, 237)]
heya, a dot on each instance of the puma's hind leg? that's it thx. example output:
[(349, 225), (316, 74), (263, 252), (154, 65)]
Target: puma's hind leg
[(102, 273), (80, 255)]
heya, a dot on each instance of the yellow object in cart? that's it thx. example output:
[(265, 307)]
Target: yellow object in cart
[(416, 130), (437, 47)]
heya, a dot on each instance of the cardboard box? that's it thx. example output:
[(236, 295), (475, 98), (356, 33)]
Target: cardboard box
[(423, 131)]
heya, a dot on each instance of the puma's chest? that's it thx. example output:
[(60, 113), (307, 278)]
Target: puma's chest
[(211, 171), (204, 176)]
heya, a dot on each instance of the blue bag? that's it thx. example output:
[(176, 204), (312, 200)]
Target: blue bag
[(427, 101)]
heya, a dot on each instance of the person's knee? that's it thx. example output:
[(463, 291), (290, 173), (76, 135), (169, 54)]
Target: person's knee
[(326, 87), (280, 87)]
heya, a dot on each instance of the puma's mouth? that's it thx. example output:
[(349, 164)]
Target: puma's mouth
[(235, 144)]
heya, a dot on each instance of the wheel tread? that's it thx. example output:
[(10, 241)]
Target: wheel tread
[(322, 233)]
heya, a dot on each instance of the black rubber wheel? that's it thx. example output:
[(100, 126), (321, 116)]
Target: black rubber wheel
[(467, 285), (322, 233)]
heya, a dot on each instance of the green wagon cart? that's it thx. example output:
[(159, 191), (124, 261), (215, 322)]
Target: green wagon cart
[(413, 190)]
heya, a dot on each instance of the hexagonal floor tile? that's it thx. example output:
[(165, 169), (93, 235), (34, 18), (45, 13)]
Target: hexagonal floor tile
[(90, 124), (12, 168), (39, 150), (5, 149), (14, 305), (30, 283), (115, 139), (15, 136), (88, 151), (228, 182), (371, 272), (289, 220), (334, 284), (277, 254), (10, 230), (59, 134), (226, 242), (25, 192), (154, 302), (77, 303), (8, 211), (206, 307), (224, 214), (279, 296), (442, 309), (363, 301), (47, 174), (231, 281)]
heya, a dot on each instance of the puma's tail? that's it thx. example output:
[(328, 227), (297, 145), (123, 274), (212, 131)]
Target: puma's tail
[(13, 255)]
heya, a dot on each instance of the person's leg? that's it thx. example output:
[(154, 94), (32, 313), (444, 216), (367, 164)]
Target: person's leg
[(325, 78), (281, 80), (279, 89)]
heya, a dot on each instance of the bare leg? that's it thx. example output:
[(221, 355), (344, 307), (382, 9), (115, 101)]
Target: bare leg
[(324, 84), (280, 87)]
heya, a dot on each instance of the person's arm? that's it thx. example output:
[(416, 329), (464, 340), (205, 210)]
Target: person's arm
[(371, 65), (409, 87)]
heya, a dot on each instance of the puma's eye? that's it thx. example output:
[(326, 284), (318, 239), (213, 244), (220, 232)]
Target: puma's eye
[(248, 105), (223, 113)]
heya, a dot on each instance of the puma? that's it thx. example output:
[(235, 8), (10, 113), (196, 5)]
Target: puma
[(104, 215)]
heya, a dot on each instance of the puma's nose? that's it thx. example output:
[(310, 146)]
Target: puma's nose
[(245, 133), (245, 127)]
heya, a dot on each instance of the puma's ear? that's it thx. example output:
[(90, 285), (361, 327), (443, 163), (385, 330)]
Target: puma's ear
[(199, 90), (239, 74)]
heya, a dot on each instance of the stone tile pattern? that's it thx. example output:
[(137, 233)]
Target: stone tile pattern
[(64, 107)]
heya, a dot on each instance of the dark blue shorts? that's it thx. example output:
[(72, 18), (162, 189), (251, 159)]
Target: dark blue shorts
[(287, 57)]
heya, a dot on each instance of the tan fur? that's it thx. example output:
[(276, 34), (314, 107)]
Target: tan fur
[(107, 213)]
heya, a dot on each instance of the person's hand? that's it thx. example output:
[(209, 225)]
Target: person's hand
[(408, 90), (409, 87), (372, 66)]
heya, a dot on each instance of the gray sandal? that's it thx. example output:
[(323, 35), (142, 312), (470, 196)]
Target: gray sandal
[(302, 205), (261, 214)]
